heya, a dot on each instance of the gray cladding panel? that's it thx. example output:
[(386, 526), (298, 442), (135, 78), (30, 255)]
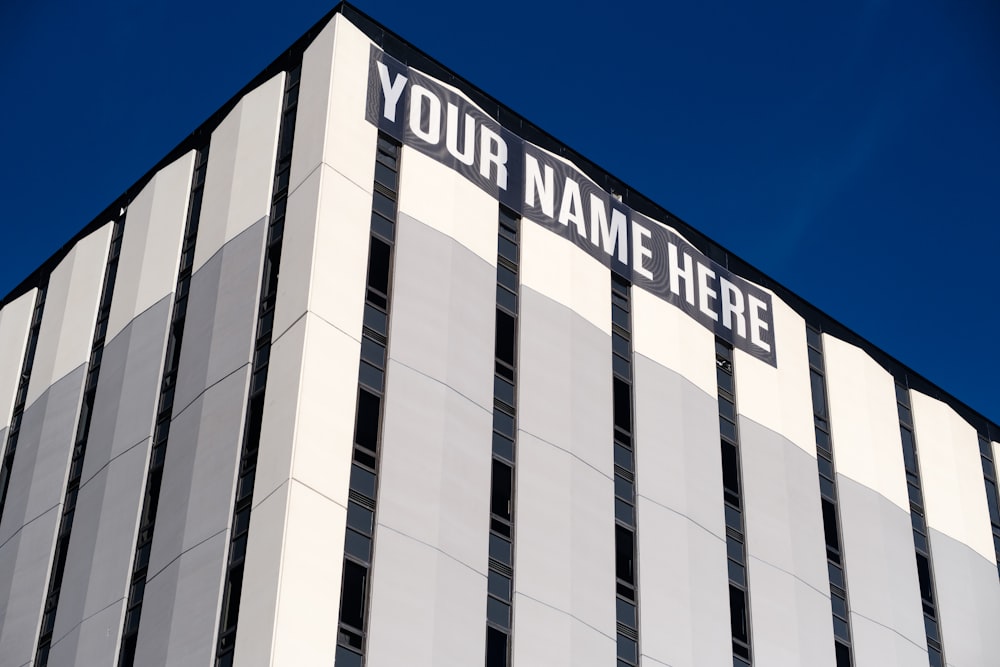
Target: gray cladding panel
[(678, 461), (564, 367), (24, 570), (784, 532), (38, 479), (199, 472), (94, 642), (683, 582), (181, 611), (125, 407), (968, 602), (443, 308), (100, 554), (221, 315), (881, 577)]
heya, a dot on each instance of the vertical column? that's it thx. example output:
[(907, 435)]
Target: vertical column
[(164, 412), (356, 589), (292, 575), (886, 623), (99, 557), (189, 552), (500, 584), (831, 510), (46, 442), (247, 470), (626, 560), (564, 599), (79, 448), (925, 567), (684, 589), (732, 484), (966, 602)]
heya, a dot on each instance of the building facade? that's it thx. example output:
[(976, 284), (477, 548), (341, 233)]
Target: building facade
[(371, 371)]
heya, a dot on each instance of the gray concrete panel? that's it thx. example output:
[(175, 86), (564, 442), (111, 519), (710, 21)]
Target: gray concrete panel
[(886, 614), (968, 602), (157, 614), (38, 478), (789, 583), (683, 581), (221, 316), (25, 562)]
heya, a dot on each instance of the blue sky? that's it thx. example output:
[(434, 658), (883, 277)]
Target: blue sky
[(850, 151)]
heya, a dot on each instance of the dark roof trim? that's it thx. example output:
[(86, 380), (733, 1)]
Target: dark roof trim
[(413, 56)]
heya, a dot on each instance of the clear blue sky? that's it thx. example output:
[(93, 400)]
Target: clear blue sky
[(850, 151)]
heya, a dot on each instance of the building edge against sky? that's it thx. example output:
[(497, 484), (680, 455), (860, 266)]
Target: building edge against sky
[(849, 514)]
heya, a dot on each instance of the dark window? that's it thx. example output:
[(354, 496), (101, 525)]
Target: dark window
[(738, 614), (501, 494), (352, 604), (623, 405), (625, 554), (505, 337), (366, 431), (378, 265), (496, 648), (830, 526)]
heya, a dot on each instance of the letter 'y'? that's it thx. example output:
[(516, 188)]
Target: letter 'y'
[(391, 90)]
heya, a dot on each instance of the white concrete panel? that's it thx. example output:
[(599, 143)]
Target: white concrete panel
[(863, 421), (15, 322), (291, 587), (71, 304), (309, 410), (151, 244), (445, 200), (240, 170), (667, 335), (780, 398), (557, 269), (331, 110), (951, 475), (327, 230)]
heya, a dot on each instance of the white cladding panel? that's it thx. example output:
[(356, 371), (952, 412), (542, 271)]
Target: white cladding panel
[(863, 421), (240, 169), (557, 269), (71, 303), (331, 109), (951, 475), (671, 338), (779, 398), (15, 322), (448, 202), (151, 243)]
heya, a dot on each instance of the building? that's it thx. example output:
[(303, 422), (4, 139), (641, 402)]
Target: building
[(369, 370)]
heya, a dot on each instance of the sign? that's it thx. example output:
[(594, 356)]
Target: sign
[(428, 116)]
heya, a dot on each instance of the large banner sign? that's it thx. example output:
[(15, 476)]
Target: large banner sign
[(433, 118)]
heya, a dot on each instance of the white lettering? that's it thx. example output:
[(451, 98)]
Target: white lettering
[(391, 91), (705, 292), (732, 304), (468, 153), (676, 273), (571, 209), (534, 184), (601, 233), (640, 251), (493, 150), (417, 96), (758, 322)]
